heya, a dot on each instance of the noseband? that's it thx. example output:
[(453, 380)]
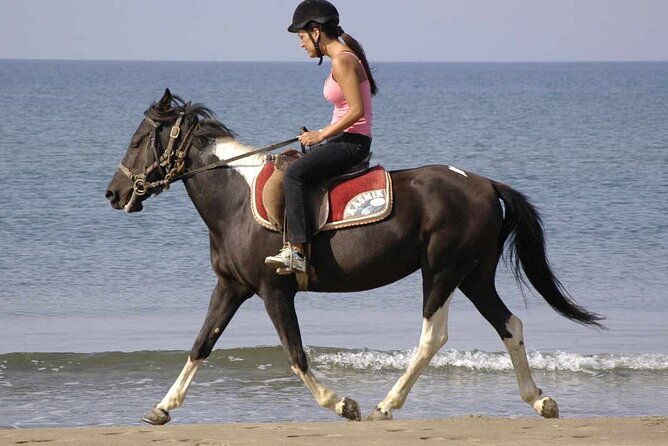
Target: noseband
[(171, 160)]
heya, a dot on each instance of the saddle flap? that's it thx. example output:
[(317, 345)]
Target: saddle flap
[(317, 206)]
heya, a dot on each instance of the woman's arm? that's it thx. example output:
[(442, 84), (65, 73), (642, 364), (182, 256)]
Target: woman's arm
[(344, 71)]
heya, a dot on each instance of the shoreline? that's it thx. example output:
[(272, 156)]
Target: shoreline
[(646, 430)]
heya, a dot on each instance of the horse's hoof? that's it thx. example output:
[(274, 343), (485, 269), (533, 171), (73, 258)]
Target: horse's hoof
[(156, 417), (349, 409), (547, 408), (379, 415)]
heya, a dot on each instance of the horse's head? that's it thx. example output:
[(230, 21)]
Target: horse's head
[(158, 150)]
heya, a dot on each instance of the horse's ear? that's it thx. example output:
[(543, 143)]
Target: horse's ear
[(166, 100)]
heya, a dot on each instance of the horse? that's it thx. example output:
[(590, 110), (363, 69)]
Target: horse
[(452, 225)]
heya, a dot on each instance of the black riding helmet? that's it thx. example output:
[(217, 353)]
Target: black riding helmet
[(309, 11), (318, 11)]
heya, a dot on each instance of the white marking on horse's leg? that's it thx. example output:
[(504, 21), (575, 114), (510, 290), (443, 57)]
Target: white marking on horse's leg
[(177, 393), (434, 336), (324, 396), (545, 406)]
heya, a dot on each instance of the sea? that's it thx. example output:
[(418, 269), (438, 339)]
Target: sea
[(98, 308)]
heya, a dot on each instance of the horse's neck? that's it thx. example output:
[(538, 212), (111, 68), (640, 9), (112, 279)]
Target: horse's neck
[(222, 196), (248, 167)]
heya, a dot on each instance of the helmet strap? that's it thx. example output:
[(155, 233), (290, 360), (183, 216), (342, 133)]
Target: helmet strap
[(316, 44)]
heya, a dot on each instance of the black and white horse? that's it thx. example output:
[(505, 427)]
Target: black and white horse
[(449, 224)]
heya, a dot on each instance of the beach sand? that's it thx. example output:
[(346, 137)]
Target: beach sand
[(469, 430)]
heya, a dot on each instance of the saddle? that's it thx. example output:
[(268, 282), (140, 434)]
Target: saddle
[(361, 195)]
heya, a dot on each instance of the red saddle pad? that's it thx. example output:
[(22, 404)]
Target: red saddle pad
[(361, 200)]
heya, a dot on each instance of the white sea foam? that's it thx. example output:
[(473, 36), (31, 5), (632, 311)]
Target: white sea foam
[(484, 361)]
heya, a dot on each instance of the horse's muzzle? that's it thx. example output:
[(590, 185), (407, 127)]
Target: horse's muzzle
[(113, 199), (118, 200)]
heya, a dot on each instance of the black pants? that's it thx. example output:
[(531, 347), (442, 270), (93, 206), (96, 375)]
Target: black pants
[(328, 159)]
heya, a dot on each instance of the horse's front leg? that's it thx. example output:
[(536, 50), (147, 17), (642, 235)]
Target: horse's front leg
[(226, 299), (280, 306)]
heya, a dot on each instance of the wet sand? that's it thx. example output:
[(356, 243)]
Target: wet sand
[(469, 430)]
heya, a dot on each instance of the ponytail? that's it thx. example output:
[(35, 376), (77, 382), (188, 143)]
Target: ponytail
[(361, 55)]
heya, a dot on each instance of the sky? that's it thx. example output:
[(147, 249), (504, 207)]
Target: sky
[(389, 30)]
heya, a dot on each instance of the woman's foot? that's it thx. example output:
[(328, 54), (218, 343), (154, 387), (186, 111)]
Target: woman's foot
[(288, 260)]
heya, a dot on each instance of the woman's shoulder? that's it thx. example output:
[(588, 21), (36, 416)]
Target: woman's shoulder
[(346, 56), (346, 61)]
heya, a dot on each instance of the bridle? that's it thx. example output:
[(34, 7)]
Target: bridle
[(171, 164), (164, 163)]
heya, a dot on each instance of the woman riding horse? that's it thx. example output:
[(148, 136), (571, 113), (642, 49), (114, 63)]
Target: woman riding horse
[(451, 225), (345, 142)]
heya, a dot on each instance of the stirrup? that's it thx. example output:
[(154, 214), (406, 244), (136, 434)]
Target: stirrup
[(288, 261)]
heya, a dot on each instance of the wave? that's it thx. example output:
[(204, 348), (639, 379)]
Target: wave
[(494, 362), (328, 358)]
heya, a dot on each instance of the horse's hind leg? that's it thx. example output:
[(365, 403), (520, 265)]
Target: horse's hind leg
[(226, 299), (479, 288), (281, 309), (437, 289)]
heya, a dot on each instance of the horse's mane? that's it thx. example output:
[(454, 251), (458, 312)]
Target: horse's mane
[(208, 126)]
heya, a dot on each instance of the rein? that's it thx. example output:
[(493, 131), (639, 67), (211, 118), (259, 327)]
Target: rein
[(224, 163), (174, 160)]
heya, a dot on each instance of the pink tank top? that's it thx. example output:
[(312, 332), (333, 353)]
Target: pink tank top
[(333, 93)]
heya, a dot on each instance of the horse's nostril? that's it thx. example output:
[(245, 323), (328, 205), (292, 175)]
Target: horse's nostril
[(111, 196)]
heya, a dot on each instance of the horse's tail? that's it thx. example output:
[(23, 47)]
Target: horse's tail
[(522, 232)]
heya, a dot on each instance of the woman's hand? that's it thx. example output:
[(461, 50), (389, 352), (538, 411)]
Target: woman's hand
[(311, 138)]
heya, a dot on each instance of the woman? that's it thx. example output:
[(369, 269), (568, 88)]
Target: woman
[(346, 141)]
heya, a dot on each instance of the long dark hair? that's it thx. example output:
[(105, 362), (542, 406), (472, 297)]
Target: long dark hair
[(334, 31)]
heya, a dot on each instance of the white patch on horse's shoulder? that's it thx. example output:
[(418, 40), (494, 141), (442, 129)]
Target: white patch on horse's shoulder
[(248, 167), (459, 171)]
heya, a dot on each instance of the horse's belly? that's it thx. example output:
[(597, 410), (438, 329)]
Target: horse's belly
[(362, 266)]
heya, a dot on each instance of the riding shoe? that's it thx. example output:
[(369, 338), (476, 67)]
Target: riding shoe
[(288, 261)]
